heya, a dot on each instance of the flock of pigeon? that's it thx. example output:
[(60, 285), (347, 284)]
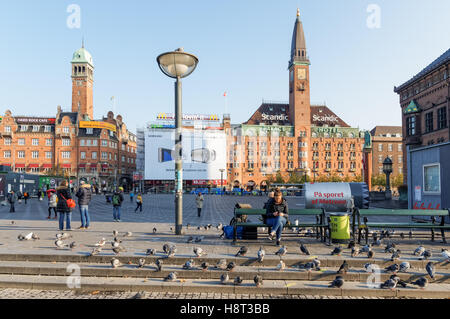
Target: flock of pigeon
[(170, 250)]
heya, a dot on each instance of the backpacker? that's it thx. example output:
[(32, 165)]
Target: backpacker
[(116, 200)]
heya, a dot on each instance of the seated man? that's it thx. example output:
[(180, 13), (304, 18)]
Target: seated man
[(276, 215)]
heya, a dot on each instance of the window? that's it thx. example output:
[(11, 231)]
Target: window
[(83, 155), (399, 148), (23, 128), (123, 147), (21, 154), (104, 155), (48, 154), (380, 158), (66, 142), (34, 154), (21, 141), (123, 158), (442, 118), (390, 147), (66, 129), (35, 142), (48, 142), (400, 170), (35, 128), (88, 142), (110, 156), (93, 169), (65, 155), (104, 143), (429, 122), (89, 131), (94, 143), (7, 141), (7, 154), (47, 128), (94, 155), (431, 178), (81, 170), (7, 129), (411, 126), (380, 147), (82, 143), (400, 159)]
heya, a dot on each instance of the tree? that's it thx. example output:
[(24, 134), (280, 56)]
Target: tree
[(279, 178), (397, 181), (379, 180)]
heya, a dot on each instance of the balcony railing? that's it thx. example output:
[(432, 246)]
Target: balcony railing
[(315, 157), (327, 169), (352, 169)]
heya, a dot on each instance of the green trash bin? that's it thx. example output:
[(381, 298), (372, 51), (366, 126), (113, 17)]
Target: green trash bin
[(340, 228)]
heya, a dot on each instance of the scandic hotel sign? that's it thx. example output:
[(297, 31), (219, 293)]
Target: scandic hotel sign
[(188, 117), (97, 124)]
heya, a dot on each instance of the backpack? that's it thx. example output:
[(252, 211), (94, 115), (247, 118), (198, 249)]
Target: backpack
[(116, 200)]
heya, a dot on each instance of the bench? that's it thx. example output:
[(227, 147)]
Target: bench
[(432, 213), (321, 224)]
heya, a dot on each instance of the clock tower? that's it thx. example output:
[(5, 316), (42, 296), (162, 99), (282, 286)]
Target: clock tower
[(82, 83), (299, 95)]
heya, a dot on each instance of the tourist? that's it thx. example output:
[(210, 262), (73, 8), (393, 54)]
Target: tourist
[(52, 202), (65, 212), (26, 196), (117, 200), (138, 202), (199, 200), (351, 205), (276, 215), (84, 194), (12, 197), (131, 196)]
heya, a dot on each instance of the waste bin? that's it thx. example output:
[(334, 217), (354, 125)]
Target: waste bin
[(340, 227)]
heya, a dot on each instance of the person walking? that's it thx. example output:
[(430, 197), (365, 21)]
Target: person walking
[(199, 200), (138, 202), (84, 195), (52, 202), (351, 205), (276, 215), (65, 212), (117, 200), (12, 198), (26, 196), (131, 196)]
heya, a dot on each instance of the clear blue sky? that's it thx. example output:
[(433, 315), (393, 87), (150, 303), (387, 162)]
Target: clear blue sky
[(243, 48)]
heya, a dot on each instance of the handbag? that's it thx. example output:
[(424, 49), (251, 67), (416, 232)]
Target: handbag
[(70, 202)]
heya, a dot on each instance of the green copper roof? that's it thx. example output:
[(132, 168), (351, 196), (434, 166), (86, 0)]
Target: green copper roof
[(412, 108), (82, 56)]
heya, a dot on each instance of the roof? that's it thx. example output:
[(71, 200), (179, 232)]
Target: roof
[(298, 41), (82, 56), (71, 115), (383, 130), (442, 60), (95, 132), (321, 115)]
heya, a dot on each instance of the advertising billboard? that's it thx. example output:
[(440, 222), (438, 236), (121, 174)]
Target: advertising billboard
[(97, 124), (204, 154)]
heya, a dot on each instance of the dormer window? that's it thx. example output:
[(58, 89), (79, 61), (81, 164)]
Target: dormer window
[(89, 131)]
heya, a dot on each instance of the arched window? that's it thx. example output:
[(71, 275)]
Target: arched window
[(84, 69)]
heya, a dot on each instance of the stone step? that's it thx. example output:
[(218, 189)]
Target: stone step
[(270, 261), (276, 287), (148, 271)]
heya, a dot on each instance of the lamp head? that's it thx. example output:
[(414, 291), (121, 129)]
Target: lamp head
[(177, 64)]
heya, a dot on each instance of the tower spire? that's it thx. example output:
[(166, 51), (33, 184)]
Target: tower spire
[(298, 46), (298, 12)]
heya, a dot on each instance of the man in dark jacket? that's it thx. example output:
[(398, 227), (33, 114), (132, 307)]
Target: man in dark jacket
[(117, 200), (84, 194), (12, 197), (276, 215), (62, 208)]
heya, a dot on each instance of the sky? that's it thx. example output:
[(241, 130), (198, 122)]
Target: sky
[(358, 53)]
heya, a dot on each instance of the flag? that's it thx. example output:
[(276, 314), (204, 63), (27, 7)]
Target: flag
[(225, 94)]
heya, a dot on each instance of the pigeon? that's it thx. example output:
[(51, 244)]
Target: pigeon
[(402, 236), (29, 236), (171, 277), (445, 254), (139, 295), (59, 244), (392, 268), (351, 244), (316, 262), (198, 228), (404, 266), (242, 251), (238, 280), (370, 254), (224, 278), (63, 236), (101, 243), (12, 222), (141, 263), (338, 282), (261, 254), (389, 248), (369, 267), (72, 245), (419, 251), (198, 239), (21, 237), (222, 236), (128, 234), (187, 226), (188, 265), (258, 280), (158, 264), (231, 266), (309, 265), (282, 251), (150, 251), (355, 251), (303, 249), (426, 254), (204, 266), (171, 229), (116, 240), (115, 233), (430, 269), (399, 281), (118, 250), (281, 265), (410, 234), (221, 264), (114, 244), (390, 283), (395, 255), (190, 239), (422, 282), (115, 262), (336, 251), (220, 226), (366, 249), (172, 251), (154, 230), (199, 252), (166, 248), (343, 268), (376, 243), (34, 236), (95, 251)]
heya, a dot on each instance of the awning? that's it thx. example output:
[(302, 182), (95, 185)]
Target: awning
[(6, 164), (105, 165), (82, 165), (33, 165), (47, 166), (20, 165), (66, 166)]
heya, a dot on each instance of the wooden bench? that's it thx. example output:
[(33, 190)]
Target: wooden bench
[(432, 225), (321, 224)]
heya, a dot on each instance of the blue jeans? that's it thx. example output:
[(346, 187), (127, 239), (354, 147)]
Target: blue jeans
[(84, 212), (116, 212), (68, 217), (277, 224)]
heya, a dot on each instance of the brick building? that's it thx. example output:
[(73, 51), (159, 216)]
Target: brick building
[(295, 137), (387, 141), (71, 144)]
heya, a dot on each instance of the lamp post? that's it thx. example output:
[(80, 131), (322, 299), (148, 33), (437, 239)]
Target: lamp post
[(178, 64), (387, 169), (221, 176)]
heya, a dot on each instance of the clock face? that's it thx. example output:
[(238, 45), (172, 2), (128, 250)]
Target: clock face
[(301, 74)]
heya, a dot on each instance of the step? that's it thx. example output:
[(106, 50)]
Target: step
[(275, 287)]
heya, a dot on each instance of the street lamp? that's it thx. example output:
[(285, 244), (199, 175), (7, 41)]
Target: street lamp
[(387, 169), (221, 176), (178, 64)]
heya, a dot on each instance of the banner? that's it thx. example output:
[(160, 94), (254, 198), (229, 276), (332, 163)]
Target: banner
[(97, 124)]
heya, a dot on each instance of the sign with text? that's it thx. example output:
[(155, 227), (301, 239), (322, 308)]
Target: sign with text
[(97, 124), (34, 120), (333, 197)]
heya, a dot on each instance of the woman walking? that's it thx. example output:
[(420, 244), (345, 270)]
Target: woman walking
[(199, 200), (52, 202), (138, 202), (65, 212)]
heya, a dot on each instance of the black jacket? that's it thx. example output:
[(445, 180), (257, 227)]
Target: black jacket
[(272, 207), (84, 194), (120, 198), (63, 192)]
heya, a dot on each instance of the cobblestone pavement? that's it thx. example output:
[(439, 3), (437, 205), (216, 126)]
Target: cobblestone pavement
[(13, 293)]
